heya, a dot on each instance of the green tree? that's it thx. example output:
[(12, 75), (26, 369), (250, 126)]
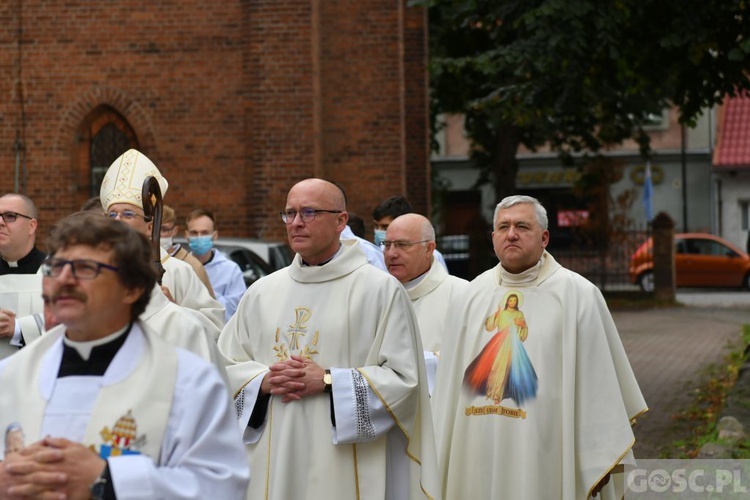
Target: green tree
[(579, 74)]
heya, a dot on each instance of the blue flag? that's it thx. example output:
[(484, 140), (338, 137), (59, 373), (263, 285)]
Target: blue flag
[(648, 193)]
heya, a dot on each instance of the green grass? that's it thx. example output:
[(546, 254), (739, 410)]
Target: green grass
[(710, 398)]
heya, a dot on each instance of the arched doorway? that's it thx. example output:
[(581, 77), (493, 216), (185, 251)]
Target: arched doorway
[(104, 135)]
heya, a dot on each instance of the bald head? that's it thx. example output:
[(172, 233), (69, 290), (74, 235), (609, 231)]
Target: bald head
[(328, 192), (417, 225), (316, 240), (410, 242)]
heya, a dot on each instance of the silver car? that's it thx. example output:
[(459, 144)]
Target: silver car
[(256, 258)]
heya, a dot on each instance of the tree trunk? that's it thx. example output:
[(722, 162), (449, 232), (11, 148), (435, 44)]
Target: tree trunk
[(505, 166)]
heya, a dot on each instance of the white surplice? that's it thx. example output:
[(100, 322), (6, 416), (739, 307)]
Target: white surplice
[(195, 453), (22, 294)]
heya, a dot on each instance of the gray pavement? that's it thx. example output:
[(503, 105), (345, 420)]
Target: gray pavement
[(670, 350)]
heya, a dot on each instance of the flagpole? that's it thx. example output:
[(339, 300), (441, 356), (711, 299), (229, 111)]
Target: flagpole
[(648, 194)]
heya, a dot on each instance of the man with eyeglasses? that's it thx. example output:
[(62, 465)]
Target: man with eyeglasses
[(409, 254), (327, 372), (21, 307), (103, 406), (389, 209), (534, 396), (120, 194)]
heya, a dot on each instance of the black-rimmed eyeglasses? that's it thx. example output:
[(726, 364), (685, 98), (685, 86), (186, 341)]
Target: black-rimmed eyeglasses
[(83, 269), (307, 214), (401, 245), (9, 217)]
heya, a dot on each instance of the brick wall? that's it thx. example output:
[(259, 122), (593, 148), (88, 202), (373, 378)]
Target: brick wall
[(234, 101)]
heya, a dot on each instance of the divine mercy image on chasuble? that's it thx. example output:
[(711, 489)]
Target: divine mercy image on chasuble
[(503, 369)]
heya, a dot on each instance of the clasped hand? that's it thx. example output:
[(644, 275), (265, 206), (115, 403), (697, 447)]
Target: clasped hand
[(50, 469), (7, 323), (294, 379)]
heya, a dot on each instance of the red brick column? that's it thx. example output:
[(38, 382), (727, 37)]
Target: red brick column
[(663, 251)]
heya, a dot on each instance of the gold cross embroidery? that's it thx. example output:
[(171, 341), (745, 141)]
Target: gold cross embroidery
[(298, 329)]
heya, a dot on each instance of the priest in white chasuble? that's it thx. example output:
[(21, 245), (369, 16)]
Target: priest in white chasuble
[(99, 406), (21, 306), (409, 248), (326, 366), (535, 396)]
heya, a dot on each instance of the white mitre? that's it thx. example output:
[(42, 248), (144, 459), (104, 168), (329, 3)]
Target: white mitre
[(123, 182)]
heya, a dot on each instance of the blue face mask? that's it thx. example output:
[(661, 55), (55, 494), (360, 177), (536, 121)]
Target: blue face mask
[(379, 237), (200, 245)]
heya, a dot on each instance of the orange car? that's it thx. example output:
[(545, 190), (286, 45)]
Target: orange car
[(701, 260)]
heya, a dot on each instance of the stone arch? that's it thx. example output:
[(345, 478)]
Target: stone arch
[(96, 109)]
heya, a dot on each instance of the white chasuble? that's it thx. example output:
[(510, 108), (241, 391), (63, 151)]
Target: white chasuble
[(534, 395), (356, 320), (434, 299), (180, 328), (189, 291), (22, 294), (123, 412)]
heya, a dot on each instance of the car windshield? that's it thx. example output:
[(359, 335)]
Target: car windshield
[(280, 256)]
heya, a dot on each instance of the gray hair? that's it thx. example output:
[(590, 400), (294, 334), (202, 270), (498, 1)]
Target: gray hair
[(428, 232), (509, 201)]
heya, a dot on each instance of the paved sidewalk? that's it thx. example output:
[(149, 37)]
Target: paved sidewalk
[(670, 350)]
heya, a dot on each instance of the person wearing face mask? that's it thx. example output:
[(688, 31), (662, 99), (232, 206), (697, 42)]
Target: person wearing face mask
[(374, 253), (169, 229), (225, 275)]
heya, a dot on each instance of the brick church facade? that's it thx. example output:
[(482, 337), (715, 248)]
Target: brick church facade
[(234, 101)]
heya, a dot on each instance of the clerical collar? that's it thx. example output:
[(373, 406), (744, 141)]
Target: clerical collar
[(416, 281), (325, 261), (91, 357), (524, 277), (29, 264)]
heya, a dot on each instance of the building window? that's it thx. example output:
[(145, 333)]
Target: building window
[(745, 215), (102, 136), (106, 146), (655, 122)]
